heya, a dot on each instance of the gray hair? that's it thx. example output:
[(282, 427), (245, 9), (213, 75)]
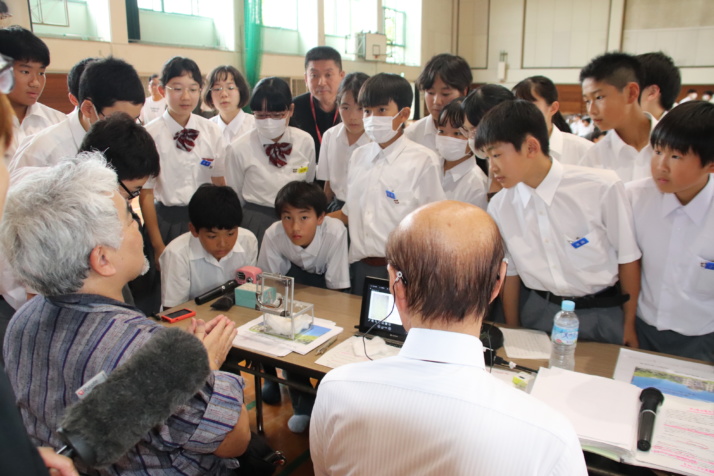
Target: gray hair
[(53, 220)]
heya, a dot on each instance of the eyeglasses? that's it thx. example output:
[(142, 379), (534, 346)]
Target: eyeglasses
[(179, 90), (7, 78), (131, 194), (269, 115), (470, 134), (227, 88)]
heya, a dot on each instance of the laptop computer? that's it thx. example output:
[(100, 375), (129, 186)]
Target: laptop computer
[(377, 301)]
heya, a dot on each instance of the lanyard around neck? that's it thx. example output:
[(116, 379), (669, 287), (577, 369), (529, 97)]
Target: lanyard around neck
[(314, 117)]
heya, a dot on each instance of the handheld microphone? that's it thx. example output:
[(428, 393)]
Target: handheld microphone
[(224, 288), (651, 398), (138, 395)]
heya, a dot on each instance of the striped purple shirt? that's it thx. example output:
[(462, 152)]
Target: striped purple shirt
[(54, 345)]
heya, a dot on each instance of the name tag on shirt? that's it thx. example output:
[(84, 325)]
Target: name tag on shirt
[(84, 390), (708, 265), (391, 196), (578, 243), (300, 170), (207, 163)]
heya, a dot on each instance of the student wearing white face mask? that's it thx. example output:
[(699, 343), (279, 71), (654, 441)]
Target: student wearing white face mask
[(260, 163), (463, 180)]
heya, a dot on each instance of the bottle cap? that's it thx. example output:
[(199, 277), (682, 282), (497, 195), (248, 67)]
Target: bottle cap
[(567, 306)]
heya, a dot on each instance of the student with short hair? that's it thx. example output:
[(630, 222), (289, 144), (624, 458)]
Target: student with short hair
[(564, 146), (155, 103), (30, 58), (73, 78), (674, 223), (611, 91), (228, 92), (708, 95), (568, 231), (444, 78), (211, 252), (192, 153), (661, 83), (341, 140), (106, 86), (387, 178), (691, 96), (463, 180), (261, 162)]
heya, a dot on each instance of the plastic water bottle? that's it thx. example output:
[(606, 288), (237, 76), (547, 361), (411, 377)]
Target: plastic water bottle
[(564, 337)]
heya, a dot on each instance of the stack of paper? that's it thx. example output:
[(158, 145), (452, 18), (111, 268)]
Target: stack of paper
[(252, 336)]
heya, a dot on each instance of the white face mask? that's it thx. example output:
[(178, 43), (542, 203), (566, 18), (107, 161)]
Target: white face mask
[(472, 146), (451, 148), (379, 128), (271, 128)]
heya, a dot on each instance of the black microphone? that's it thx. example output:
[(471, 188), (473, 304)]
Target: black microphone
[(216, 292), (138, 395), (651, 399)]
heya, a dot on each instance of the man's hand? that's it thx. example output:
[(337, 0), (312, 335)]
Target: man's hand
[(217, 336), (57, 464)]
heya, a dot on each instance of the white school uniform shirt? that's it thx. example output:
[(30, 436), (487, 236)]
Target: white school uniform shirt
[(435, 409), (466, 182), (152, 109), (326, 254), (568, 148), (49, 146), (541, 225), (255, 179), (37, 118), (241, 124), (385, 185), (423, 132), (183, 172), (188, 270), (335, 154), (614, 154), (677, 243)]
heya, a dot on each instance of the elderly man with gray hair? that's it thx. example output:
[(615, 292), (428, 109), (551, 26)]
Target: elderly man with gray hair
[(435, 408), (69, 234)]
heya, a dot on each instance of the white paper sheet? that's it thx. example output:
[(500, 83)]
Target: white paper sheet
[(276, 345), (344, 353), (526, 344)]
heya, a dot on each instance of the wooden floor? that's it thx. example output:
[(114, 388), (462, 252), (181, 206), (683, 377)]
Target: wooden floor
[(295, 447)]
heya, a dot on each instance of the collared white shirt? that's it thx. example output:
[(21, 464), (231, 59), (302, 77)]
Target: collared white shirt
[(183, 172), (677, 243), (37, 118), (568, 148), (434, 409), (423, 132), (49, 146), (188, 270), (335, 154), (384, 186), (327, 254), (466, 182), (568, 235), (614, 154), (257, 181), (241, 124), (152, 109)]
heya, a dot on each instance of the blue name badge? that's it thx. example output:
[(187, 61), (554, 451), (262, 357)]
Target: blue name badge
[(207, 162), (391, 195), (708, 265), (577, 244)]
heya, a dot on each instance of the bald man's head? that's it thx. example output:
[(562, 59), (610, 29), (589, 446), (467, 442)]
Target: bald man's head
[(449, 254)]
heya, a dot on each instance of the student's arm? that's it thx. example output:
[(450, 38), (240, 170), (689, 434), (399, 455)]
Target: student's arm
[(148, 211), (510, 297), (328, 191), (220, 181), (175, 275), (630, 284), (340, 216)]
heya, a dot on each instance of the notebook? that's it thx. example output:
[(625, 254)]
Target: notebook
[(377, 302)]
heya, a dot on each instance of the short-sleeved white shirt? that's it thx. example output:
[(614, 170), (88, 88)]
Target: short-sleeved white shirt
[(466, 182), (257, 181), (541, 225), (335, 154), (188, 270), (384, 186), (37, 118), (613, 153), (183, 172), (568, 148), (423, 132), (677, 243), (241, 124), (49, 146), (152, 109), (327, 254)]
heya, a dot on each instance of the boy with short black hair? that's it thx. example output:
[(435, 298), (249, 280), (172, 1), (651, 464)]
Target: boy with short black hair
[(661, 83), (30, 57), (213, 249), (155, 103), (568, 230), (444, 78), (387, 179), (106, 86), (73, 77), (674, 224), (611, 91)]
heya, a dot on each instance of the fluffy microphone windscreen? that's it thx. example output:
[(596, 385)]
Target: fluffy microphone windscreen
[(137, 396)]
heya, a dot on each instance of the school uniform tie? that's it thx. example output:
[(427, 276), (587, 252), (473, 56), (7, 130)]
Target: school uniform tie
[(278, 153), (186, 139)]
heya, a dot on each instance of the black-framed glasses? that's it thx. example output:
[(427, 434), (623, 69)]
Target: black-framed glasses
[(131, 194), (7, 78)]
